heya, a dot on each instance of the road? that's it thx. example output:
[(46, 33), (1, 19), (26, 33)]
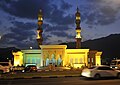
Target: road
[(60, 81)]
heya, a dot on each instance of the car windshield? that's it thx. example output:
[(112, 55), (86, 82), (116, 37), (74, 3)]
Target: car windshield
[(4, 64), (118, 62), (113, 62), (31, 66), (92, 67)]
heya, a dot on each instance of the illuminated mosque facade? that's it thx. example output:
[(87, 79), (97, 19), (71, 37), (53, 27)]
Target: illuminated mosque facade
[(58, 55)]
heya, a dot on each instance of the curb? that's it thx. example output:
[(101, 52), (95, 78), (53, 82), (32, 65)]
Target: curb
[(39, 77)]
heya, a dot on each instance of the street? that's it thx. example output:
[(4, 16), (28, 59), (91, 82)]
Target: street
[(60, 81)]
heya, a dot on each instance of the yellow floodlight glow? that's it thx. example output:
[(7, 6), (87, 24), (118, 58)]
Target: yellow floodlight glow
[(18, 58), (78, 65)]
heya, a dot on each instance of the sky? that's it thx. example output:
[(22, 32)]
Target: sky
[(18, 21)]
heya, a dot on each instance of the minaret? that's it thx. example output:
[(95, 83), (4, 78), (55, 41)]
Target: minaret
[(78, 29), (39, 30)]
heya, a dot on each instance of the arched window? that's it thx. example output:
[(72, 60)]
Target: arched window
[(76, 60), (71, 60), (81, 60)]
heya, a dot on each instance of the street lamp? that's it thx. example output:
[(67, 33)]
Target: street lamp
[(30, 47)]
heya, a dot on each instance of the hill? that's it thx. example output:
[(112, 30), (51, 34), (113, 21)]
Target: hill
[(110, 46), (6, 53)]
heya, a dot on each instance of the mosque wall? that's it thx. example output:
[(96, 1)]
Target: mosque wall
[(57, 55)]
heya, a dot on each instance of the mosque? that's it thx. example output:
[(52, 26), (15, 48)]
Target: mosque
[(58, 55)]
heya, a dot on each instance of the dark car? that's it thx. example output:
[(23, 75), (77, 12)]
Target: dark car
[(30, 68)]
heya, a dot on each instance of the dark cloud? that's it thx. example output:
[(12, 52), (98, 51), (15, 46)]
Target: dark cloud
[(10, 18), (23, 34), (0, 22), (65, 6), (57, 17), (49, 28), (59, 41), (59, 34), (108, 15), (25, 26), (21, 41), (62, 34), (25, 8), (96, 1), (29, 9), (23, 29), (98, 12)]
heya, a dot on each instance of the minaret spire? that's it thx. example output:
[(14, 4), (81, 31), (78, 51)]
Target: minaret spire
[(40, 30), (77, 9), (78, 29)]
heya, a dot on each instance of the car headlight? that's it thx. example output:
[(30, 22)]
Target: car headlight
[(116, 67), (23, 71)]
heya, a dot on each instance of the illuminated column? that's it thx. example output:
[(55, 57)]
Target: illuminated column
[(98, 58), (39, 30), (78, 29), (18, 58)]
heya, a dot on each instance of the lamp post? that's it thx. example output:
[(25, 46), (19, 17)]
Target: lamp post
[(30, 47)]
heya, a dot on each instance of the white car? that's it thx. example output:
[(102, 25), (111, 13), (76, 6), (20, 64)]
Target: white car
[(100, 71), (4, 68), (115, 64)]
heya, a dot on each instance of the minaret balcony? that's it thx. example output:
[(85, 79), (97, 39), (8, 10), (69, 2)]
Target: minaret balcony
[(78, 30)]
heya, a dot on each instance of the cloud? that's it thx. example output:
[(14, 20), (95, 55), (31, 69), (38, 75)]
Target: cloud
[(29, 9), (59, 20), (25, 26), (20, 41), (57, 16), (56, 28), (25, 8), (59, 34), (21, 35), (54, 39), (99, 12), (65, 5), (0, 22)]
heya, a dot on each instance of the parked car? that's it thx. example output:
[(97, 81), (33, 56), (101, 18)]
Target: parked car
[(30, 68), (17, 68), (115, 64), (5, 67), (97, 72)]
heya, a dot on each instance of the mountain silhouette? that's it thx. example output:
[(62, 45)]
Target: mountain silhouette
[(6, 53), (110, 46)]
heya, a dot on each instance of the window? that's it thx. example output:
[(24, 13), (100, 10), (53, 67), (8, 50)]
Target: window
[(71, 60), (76, 60), (28, 60), (113, 62), (33, 60), (81, 60), (4, 64), (118, 62), (92, 67), (38, 60), (104, 68)]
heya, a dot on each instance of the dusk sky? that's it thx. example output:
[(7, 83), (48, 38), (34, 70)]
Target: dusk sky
[(18, 21)]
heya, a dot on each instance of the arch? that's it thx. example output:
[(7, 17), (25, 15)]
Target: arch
[(59, 60)]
